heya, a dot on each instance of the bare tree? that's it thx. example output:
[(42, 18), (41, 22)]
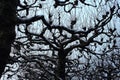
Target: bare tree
[(60, 38)]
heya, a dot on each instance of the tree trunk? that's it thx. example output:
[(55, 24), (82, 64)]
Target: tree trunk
[(7, 30), (109, 77), (61, 65)]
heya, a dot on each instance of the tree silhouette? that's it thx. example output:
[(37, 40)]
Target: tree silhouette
[(47, 41), (7, 30)]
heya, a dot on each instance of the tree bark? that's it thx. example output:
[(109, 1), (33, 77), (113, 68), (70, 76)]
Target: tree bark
[(7, 30)]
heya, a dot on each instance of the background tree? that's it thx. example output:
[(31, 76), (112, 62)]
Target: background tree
[(7, 30), (59, 39)]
